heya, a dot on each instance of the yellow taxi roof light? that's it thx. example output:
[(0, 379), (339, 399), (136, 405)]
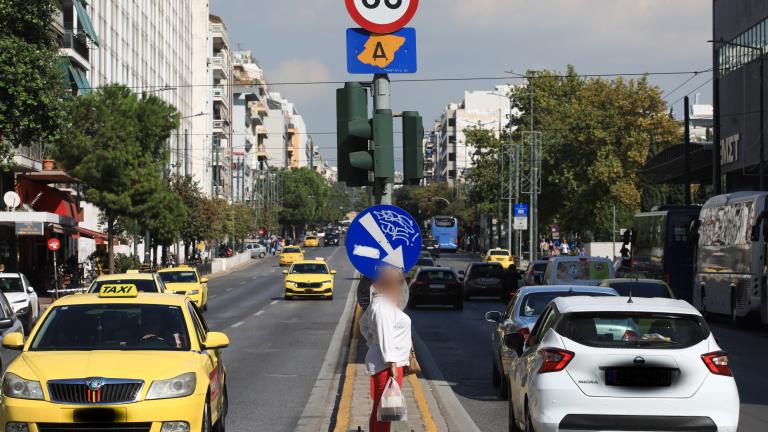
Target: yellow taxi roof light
[(118, 291), (132, 271)]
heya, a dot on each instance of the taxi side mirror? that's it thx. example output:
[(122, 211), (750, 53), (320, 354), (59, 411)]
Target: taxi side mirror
[(285, 272), (204, 280), (13, 341), (215, 340), (333, 272)]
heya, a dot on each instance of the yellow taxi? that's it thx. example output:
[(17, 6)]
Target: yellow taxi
[(290, 255), (502, 256), (119, 359), (144, 282), (311, 241), (185, 280), (309, 279)]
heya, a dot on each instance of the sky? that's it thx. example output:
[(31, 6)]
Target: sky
[(304, 41)]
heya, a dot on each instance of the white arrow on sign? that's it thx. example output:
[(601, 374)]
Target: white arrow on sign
[(394, 256)]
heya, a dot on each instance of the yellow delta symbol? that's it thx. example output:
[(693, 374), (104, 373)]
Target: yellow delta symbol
[(118, 290), (380, 50)]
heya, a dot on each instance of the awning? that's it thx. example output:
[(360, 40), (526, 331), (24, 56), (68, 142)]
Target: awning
[(83, 86), (49, 177), (66, 72), (99, 236), (85, 21), (668, 166)]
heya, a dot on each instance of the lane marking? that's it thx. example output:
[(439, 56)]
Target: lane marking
[(212, 296), (242, 282), (421, 402), (238, 324), (259, 313), (274, 302), (345, 403), (229, 289)]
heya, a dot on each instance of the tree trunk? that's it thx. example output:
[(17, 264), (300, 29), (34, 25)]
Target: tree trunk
[(110, 244)]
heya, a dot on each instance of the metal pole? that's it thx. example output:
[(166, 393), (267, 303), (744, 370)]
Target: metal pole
[(687, 146), (55, 276), (382, 189), (186, 152), (762, 119), (532, 229), (716, 178), (614, 232)]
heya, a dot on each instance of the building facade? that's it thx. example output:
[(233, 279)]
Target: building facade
[(480, 109), (741, 35)]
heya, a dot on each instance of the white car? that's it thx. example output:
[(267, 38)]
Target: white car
[(617, 364), (22, 297)]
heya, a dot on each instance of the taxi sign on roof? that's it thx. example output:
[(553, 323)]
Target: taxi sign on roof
[(118, 291)]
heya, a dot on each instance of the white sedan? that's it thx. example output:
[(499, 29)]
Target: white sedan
[(617, 364), (22, 297)]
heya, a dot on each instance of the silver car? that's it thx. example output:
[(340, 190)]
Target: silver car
[(520, 317), (257, 250)]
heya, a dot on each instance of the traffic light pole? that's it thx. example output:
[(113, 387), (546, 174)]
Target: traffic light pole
[(382, 188)]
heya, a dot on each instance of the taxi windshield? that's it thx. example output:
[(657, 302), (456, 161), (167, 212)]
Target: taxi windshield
[(178, 277), (143, 285), (309, 269), (96, 327), (291, 250)]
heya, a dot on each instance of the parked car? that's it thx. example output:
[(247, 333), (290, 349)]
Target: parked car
[(485, 279), (257, 250), (436, 286), (603, 364), (567, 270), (421, 262), (9, 321), (534, 275), (648, 288), (520, 316), (22, 297)]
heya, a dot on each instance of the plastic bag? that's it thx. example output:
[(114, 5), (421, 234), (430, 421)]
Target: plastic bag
[(392, 406)]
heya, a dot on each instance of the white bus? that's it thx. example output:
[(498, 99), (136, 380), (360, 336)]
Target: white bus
[(731, 256)]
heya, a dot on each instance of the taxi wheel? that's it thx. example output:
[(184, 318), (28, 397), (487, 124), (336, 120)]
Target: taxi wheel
[(221, 425), (205, 307), (206, 426), (288, 298)]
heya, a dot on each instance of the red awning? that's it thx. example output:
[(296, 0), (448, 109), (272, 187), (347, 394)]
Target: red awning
[(99, 236)]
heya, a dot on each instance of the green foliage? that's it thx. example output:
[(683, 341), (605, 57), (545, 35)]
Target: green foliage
[(436, 199), (31, 87), (124, 262), (308, 200)]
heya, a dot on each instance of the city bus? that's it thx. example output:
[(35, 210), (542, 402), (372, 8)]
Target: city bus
[(445, 229), (664, 245), (730, 261)]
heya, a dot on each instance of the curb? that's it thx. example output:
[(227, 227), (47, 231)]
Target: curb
[(238, 267), (319, 411), (454, 414)]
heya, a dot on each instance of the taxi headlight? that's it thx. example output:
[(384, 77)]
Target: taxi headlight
[(290, 284), (193, 292), (181, 386), (327, 282), (17, 387)]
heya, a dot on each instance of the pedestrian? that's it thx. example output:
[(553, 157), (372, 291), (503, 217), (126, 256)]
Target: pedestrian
[(565, 248), (511, 282), (2, 268), (580, 246), (544, 248), (387, 331)]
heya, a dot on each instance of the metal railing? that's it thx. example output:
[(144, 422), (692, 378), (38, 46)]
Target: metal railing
[(77, 43)]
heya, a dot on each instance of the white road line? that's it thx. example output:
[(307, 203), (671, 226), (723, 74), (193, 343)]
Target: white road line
[(212, 296), (229, 289), (258, 313), (238, 324), (274, 302), (242, 282)]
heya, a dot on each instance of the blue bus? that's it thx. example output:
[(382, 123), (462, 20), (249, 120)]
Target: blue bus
[(445, 229)]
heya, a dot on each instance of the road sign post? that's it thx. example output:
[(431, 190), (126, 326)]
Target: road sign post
[(521, 217), (54, 244)]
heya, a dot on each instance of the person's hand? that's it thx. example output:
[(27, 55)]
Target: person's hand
[(393, 370)]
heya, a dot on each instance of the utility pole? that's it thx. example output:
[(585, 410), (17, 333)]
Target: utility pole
[(533, 234), (687, 146), (382, 188)]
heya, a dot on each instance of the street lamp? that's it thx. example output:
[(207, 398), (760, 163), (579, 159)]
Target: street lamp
[(761, 50)]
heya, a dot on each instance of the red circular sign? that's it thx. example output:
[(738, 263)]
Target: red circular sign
[(54, 244), (382, 16)]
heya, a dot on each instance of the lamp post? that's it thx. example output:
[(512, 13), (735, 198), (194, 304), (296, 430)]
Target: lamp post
[(761, 50)]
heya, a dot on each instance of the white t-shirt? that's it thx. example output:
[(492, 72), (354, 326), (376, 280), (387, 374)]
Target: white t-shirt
[(387, 332)]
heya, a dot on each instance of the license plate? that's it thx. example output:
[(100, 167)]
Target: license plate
[(309, 291), (96, 415), (638, 377), (437, 286)]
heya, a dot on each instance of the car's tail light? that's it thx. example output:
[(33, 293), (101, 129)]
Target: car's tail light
[(525, 333), (629, 336), (555, 359), (717, 363)]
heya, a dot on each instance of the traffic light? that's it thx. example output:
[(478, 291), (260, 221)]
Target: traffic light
[(354, 131), (383, 145), (413, 148)]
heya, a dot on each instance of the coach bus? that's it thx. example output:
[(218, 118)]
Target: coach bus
[(730, 262), (664, 245), (445, 229)]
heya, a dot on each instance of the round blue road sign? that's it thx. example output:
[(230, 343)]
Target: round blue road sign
[(383, 236)]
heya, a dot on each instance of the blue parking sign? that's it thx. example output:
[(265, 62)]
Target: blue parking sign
[(383, 236)]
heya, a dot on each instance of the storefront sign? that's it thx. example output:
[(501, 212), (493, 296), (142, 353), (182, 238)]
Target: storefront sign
[(30, 228), (729, 149)]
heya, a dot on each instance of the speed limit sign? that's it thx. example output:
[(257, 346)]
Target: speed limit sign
[(382, 16)]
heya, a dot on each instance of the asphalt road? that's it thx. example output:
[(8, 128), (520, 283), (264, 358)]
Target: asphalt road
[(460, 344), (277, 346)]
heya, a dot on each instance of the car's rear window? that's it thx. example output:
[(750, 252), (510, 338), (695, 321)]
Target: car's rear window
[(499, 253), (425, 262), (640, 289), (540, 267), (435, 275), (533, 304), (143, 285), (582, 270), (291, 250), (633, 329), (486, 271)]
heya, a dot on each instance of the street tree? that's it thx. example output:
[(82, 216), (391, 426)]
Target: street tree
[(31, 82), (305, 199)]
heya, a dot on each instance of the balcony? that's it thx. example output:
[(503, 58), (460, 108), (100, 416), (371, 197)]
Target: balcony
[(220, 95), (76, 47), (220, 127), (220, 36), (220, 64), (261, 153), (261, 130)]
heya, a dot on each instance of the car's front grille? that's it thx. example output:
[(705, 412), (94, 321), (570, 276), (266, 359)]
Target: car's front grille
[(108, 392), (309, 285), (94, 427)]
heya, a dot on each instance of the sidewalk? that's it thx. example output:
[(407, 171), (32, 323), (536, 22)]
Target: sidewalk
[(355, 404)]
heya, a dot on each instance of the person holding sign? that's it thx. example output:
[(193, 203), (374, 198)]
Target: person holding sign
[(387, 331)]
